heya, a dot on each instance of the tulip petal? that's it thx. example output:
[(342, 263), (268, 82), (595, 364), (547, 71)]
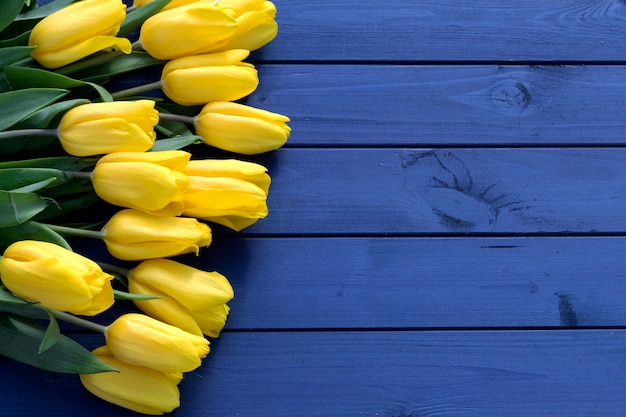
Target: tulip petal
[(56, 59)]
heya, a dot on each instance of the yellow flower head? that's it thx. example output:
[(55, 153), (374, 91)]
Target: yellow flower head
[(101, 128), (143, 341), (56, 278), (79, 30)]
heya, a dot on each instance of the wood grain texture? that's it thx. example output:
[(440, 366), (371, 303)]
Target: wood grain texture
[(346, 374), (430, 30), (301, 283), (453, 191), (439, 105)]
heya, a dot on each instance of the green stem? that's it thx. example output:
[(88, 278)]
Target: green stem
[(73, 231), (79, 174), (70, 318), (137, 90), (190, 120), (114, 268), (28, 132)]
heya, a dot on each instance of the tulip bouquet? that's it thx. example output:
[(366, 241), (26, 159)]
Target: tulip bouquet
[(74, 138)]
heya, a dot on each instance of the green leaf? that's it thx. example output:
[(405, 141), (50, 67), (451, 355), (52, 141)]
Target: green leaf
[(68, 204), (44, 117), (136, 18), (31, 231), (12, 179), (120, 65), (7, 297), (9, 9), (174, 143), (64, 163), (121, 295), (43, 11), (17, 208), (16, 105), (24, 77), (21, 337), (52, 334), (12, 54), (19, 40)]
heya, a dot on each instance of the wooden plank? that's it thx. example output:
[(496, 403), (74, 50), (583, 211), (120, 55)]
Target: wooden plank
[(371, 283), (292, 374), (457, 191), (448, 30), (439, 105)]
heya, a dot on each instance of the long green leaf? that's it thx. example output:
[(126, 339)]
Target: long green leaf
[(43, 11), (31, 231), (21, 337), (120, 65), (136, 18), (16, 105), (12, 54), (9, 9), (174, 143), (52, 334), (45, 117), (17, 208), (18, 40), (12, 179), (24, 77), (64, 163), (7, 297)]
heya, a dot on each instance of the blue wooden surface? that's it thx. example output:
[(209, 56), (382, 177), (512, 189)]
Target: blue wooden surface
[(446, 233)]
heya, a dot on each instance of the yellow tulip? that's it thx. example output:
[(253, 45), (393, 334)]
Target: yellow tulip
[(199, 79), (171, 5), (232, 202), (234, 168), (140, 340), (136, 388), (205, 28), (242, 129), (138, 180), (256, 24), (79, 30), (187, 293), (101, 128), (56, 278), (133, 235)]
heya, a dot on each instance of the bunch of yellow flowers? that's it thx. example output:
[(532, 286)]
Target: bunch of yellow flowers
[(68, 143)]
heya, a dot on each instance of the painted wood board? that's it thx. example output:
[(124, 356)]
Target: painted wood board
[(443, 105), (426, 30), (395, 373), (453, 191), (378, 283)]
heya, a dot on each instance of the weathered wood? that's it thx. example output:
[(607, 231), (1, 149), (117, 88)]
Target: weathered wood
[(293, 374), (457, 191), (440, 105), (447, 30), (374, 283)]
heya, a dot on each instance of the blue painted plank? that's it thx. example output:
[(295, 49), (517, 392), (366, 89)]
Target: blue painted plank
[(336, 374), (370, 283), (448, 30), (439, 105), (452, 191)]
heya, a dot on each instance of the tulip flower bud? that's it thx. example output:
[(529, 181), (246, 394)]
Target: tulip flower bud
[(136, 388), (171, 5), (205, 28), (101, 128), (133, 235), (256, 24), (234, 168), (199, 79), (79, 30), (56, 278), (242, 129), (141, 180), (186, 294), (231, 202), (143, 341)]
